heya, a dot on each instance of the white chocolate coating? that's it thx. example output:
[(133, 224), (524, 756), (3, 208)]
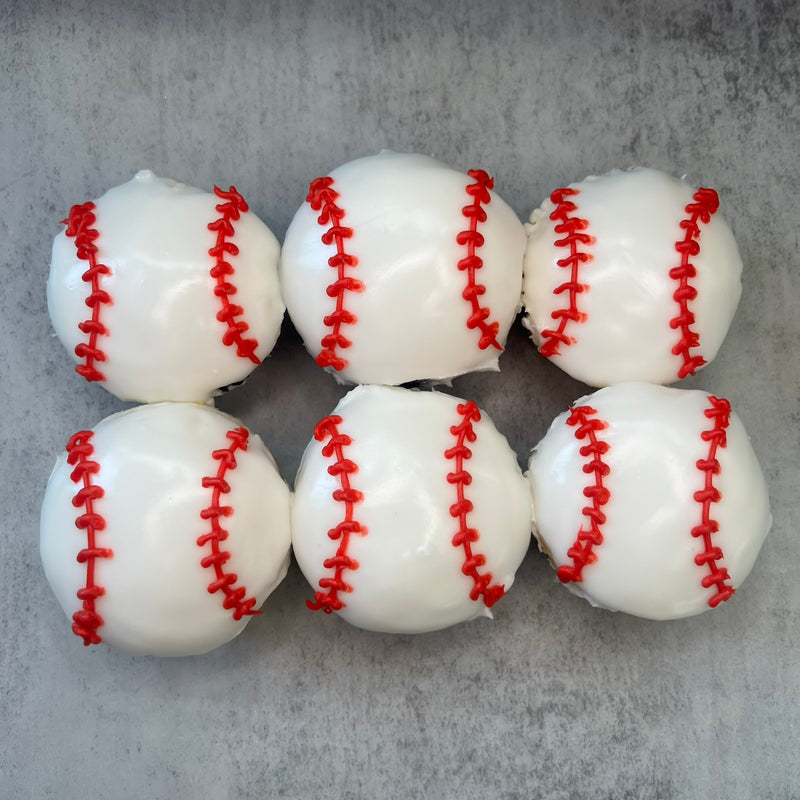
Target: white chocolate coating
[(164, 340), (152, 461), (405, 212), (625, 335), (409, 577), (645, 564)]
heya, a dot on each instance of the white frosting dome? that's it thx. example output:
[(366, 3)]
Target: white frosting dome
[(158, 485), (405, 224), (386, 473), (626, 304), (164, 316), (636, 463)]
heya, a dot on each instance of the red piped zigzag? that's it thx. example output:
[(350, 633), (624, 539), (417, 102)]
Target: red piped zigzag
[(467, 536), (473, 239), (589, 536), (80, 226), (322, 197), (235, 596), (573, 227), (230, 211), (705, 205), (717, 577), (80, 450), (342, 468)]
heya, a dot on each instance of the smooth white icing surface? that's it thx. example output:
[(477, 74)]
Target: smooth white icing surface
[(409, 577), (634, 217), (405, 213), (645, 564), (152, 461), (164, 340)]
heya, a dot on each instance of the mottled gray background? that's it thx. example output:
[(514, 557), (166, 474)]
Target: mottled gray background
[(553, 699)]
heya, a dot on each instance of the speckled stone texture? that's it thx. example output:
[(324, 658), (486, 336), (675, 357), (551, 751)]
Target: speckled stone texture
[(552, 699)]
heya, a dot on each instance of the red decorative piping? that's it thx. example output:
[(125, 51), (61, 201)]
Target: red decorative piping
[(705, 205), (322, 197), (80, 227), (342, 468), (466, 536), (582, 552), (235, 596), (86, 621), (719, 411), (573, 227), (230, 211), (473, 239)]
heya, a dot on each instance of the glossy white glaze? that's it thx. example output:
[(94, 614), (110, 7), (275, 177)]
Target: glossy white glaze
[(152, 461), (634, 217), (405, 212), (645, 564), (409, 577), (164, 340)]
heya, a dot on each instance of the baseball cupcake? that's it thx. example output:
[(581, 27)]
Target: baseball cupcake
[(649, 500), (410, 512), (165, 292), (398, 268), (630, 276), (164, 529)]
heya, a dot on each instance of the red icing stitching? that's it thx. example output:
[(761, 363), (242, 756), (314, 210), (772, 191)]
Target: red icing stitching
[(572, 227), (473, 239), (719, 411), (79, 226), (235, 596), (582, 552), (86, 621), (230, 211), (466, 536), (322, 197), (705, 205), (342, 468)]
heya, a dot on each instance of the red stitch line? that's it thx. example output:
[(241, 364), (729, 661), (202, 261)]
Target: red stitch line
[(79, 226), (342, 468), (473, 239), (322, 197), (582, 552), (235, 596), (230, 210), (86, 621), (460, 477), (705, 205), (572, 226), (719, 411)]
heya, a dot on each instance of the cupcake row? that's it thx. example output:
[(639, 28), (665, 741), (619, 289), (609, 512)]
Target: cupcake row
[(167, 526), (395, 269)]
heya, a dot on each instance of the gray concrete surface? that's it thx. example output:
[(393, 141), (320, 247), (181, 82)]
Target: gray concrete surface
[(552, 699)]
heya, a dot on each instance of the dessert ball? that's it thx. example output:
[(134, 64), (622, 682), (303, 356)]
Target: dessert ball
[(649, 500), (630, 276), (410, 511), (164, 529), (398, 268), (165, 292)]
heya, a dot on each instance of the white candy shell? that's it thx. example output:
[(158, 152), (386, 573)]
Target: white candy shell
[(152, 461), (405, 214), (627, 310), (163, 339), (409, 576), (646, 564)]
